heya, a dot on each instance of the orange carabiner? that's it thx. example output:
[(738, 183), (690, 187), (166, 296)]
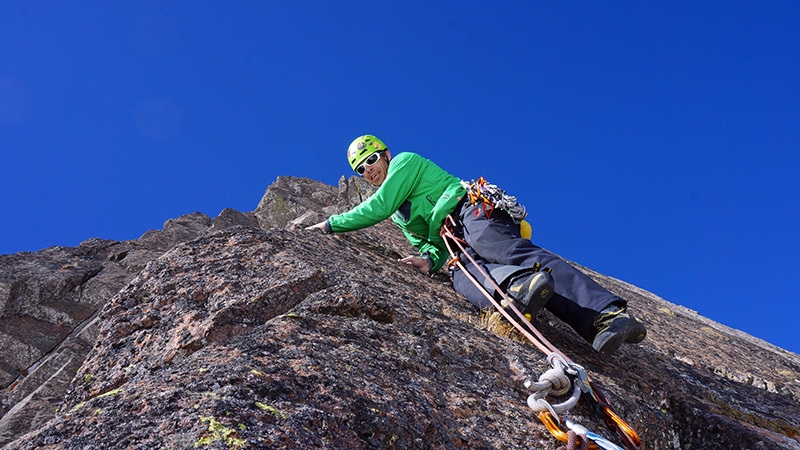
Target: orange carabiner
[(550, 423), (623, 429), (452, 262)]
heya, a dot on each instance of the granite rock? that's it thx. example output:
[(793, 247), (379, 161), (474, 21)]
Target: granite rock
[(239, 336)]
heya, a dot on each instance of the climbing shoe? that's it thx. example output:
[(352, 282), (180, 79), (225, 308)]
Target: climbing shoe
[(616, 326), (531, 291)]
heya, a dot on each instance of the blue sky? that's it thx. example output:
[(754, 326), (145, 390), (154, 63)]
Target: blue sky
[(656, 142)]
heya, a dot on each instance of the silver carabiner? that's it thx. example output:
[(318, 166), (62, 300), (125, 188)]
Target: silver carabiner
[(596, 438), (586, 387)]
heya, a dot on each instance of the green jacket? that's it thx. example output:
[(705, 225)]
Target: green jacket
[(417, 194)]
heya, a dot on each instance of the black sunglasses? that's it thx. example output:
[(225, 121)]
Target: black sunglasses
[(372, 159)]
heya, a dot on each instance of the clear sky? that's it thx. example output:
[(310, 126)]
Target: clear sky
[(655, 142)]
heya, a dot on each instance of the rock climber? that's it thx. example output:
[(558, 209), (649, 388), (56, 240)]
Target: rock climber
[(418, 195)]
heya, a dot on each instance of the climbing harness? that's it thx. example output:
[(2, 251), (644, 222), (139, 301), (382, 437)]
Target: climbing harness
[(564, 376)]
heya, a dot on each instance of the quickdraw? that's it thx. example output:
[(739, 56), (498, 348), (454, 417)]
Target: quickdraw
[(564, 375)]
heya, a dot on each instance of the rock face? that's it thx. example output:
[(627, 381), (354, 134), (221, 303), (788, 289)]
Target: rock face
[(247, 331), (50, 300)]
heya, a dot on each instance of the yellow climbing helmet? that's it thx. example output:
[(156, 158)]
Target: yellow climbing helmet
[(362, 147)]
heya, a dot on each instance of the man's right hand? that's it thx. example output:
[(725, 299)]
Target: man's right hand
[(317, 226)]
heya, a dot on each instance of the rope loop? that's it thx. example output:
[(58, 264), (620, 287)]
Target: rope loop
[(539, 405), (537, 402)]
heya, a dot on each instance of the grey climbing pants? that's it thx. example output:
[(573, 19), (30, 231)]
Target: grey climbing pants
[(496, 245)]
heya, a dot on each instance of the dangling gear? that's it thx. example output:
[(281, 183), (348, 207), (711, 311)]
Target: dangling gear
[(616, 326), (483, 191), (531, 291)]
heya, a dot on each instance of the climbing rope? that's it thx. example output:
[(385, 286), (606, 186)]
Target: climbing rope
[(575, 442), (555, 382), (562, 377)]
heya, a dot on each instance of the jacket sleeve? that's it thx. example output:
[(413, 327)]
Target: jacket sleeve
[(404, 173)]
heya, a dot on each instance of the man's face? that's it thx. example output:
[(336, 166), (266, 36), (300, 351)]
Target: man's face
[(376, 173)]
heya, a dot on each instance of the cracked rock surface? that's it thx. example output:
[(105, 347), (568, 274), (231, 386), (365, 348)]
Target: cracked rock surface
[(247, 331)]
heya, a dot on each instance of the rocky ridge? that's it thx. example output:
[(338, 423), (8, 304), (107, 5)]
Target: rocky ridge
[(246, 331)]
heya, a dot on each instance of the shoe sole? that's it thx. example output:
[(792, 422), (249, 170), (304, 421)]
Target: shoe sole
[(632, 333), (635, 333), (610, 345), (540, 288)]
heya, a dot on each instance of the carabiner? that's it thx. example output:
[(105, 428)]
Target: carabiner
[(586, 386), (594, 437), (623, 429)]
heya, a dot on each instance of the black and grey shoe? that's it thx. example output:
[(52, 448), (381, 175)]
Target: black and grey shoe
[(616, 326), (532, 291)]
